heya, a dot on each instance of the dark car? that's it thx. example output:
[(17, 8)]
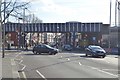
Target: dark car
[(95, 51), (67, 47), (43, 48)]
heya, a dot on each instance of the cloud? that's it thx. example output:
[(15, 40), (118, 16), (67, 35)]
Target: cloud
[(51, 6)]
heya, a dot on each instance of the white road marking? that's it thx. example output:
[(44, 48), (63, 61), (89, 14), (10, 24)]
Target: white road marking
[(17, 55), (68, 59), (103, 71), (6, 54), (80, 63), (41, 75), (107, 73), (23, 68), (14, 70), (20, 61), (79, 54), (111, 69), (12, 62), (24, 76), (61, 56), (107, 61)]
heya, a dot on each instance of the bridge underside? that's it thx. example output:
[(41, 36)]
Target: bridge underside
[(76, 34), (53, 27)]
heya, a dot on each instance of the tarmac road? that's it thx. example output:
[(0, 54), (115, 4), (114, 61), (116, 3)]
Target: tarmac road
[(66, 65)]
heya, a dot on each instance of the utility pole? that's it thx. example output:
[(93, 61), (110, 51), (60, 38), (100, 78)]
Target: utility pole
[(23, 36)]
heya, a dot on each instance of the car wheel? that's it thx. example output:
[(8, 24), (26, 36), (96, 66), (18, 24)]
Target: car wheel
[(35, 52), (86, 54), (50, 53), (103, 56), (39, 52), (54, 53)]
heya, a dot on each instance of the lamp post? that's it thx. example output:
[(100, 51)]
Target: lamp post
[(23, 43), (0, 27), (119, 13), (109, 26), (3, 34), (116, 13)]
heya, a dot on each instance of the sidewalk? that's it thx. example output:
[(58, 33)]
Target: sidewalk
[(9, 68)]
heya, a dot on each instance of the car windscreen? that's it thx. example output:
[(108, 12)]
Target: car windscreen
[(96, 47), (49, 46)]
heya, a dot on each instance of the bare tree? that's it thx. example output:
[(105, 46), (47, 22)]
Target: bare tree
[(33, 19), (12, 8), (9, 7)]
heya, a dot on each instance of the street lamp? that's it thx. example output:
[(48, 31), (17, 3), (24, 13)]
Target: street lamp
[(119, 13), (23, 27)]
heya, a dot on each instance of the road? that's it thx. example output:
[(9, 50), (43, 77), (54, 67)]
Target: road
[(66, 65)]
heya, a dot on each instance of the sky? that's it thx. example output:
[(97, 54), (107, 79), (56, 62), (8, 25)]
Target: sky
[(57, 11)]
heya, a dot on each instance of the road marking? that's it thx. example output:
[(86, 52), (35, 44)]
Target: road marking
[(17, 55), (41, 75), (107, 73), (24, 76), (23, 67), (7, 54), (103, 71), (61, 56), (107, 61), (111, 69), (12, 62), (80, 63), (68, 59), (79, 54), (20, 61), (14, 70)]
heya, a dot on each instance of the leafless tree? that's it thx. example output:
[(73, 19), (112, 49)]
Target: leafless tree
[(12, 8), (31, 18)]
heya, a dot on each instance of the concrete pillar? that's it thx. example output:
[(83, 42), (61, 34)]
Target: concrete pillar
[(74, 37)]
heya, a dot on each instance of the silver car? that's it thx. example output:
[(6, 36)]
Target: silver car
[(95, 51)]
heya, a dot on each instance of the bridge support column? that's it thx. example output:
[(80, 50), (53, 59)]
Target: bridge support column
[(73, 38)]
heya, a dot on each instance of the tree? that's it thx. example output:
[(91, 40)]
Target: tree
[(12, 8), (7, 8), (31, 18)]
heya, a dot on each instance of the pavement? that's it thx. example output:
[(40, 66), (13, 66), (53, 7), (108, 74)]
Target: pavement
[(10, 69)]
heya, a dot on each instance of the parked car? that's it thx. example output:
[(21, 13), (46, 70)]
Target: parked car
[(95, 51), (43, 48), (67, 47)]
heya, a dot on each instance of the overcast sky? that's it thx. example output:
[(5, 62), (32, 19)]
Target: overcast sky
[(73, 10)]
